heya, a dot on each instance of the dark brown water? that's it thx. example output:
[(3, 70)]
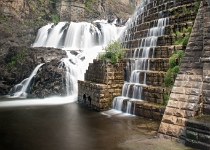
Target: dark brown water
[(69, 127)]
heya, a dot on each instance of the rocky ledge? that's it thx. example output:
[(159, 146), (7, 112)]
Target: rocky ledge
[(19, 62)]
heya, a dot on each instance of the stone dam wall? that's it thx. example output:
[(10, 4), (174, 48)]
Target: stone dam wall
[(186, 118)]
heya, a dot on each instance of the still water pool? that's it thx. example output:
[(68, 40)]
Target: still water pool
[(35, 125)]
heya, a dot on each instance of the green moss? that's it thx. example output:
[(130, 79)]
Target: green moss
[(55, 18), (184, 9), (88, 4), (14, 59)]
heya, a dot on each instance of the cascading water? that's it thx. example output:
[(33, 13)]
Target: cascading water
[(21, 89), (139, 64), (84, 38)]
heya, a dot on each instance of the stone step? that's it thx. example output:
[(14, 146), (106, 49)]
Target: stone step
[(158, 52), (161, 41), (153, 78), (144, 108), (153, 94), (198, 132)]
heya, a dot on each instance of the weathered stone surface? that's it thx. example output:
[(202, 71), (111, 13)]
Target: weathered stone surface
[(103, 82)]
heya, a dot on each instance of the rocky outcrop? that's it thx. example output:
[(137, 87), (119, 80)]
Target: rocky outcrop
[(18, 63), (108, 9), (21, 19)]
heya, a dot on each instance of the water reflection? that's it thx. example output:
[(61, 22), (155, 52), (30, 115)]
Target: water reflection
[(67, 126)]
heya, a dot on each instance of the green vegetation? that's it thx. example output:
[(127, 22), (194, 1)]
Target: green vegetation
[(174, 63), (52, 1), (14, 59), (55, 18), (165, 98), (113, 51), (183, 40), (88, 4), (197, 5)]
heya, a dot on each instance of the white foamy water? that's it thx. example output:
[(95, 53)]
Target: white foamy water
[(38, 102), (84, 38), (139, 63)]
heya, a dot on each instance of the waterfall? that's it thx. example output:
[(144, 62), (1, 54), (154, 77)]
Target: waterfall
[(85, 38), (21, 89), (139, 63), (77, 36)]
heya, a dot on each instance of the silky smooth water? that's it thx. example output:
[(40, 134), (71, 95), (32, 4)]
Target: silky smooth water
[(57, 124)]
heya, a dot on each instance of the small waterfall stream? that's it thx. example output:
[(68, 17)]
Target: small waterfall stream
[(139, 64), (21, 89)]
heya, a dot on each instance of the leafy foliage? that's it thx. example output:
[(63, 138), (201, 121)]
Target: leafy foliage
[(113, 51), (165, 98), (174, 63)]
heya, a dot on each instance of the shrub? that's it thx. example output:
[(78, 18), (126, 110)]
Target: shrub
[(165, 98), (174, 64), (113, 51)]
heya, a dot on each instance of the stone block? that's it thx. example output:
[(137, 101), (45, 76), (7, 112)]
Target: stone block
[(157, 116), (192, 135), (206, 93), (176, 131), (192, 91), (163, 127), (185, 77), (207, 100), (203, 138), (169, 119), (178, 90), (169, 111), (181, 121), (147, 113), (192, 143), (206, 109)]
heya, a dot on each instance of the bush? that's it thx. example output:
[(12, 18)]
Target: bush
[(165, 98), (113, 51)]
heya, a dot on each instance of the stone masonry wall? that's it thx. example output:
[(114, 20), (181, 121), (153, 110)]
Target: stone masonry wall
[(103, 82), (186, 94), (206, 61)]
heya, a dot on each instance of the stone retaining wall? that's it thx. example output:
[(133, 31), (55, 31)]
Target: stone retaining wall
[(184, 101), (103, 82)]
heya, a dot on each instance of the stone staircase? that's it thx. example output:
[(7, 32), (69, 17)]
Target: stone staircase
[(155, 90), (181, 14), (198, 132)]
